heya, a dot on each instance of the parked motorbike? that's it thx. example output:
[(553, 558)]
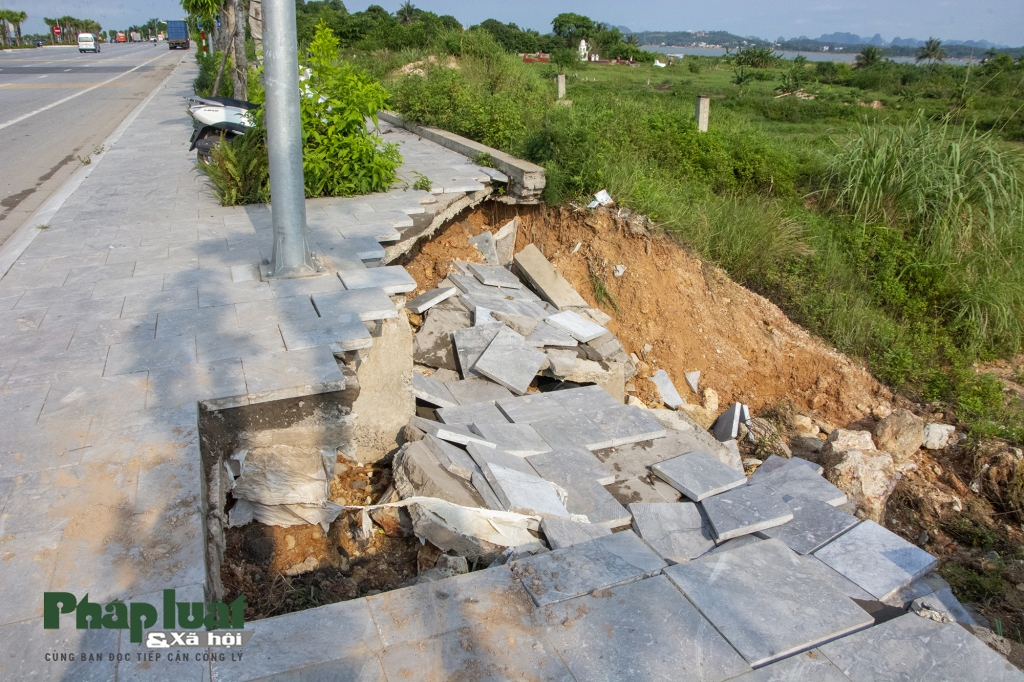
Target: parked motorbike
[(214, 118)]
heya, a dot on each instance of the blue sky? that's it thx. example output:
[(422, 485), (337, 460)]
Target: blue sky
[(999, 21)]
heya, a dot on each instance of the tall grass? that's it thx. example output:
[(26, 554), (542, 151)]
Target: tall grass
[(953, 196)]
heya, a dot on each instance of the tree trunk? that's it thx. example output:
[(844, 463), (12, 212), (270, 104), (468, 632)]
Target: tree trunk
[(225, 39), (256, 24), (240, 75)]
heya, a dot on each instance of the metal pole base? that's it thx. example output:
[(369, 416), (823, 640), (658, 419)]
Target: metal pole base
[(316, 267)]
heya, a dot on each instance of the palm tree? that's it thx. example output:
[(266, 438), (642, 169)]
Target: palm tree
[(932, 51), (868, 57), (407, 13), (632, 40)]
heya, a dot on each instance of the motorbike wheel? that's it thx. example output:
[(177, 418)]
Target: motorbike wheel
[(205, 145)]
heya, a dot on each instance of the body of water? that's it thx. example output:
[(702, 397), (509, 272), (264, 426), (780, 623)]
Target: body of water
[(810, 56)]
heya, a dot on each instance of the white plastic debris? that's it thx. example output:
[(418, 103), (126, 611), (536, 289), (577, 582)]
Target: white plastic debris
[(602, 198), (619, 270)]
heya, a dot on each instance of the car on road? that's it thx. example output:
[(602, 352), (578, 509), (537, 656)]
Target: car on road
[(40, 42), (87, 42), (152, 39)]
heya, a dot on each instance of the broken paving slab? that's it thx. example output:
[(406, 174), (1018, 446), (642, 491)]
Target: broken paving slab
[(922, 587), (666, 389), (366, 304), (876, 559), (639, 489), (765, 601), (454, 459), (915, 648), (432, 344), (561, 362), (432, 392), (745, 510), (546, 280), (775, 463), (633, 459), (564, 533), (484, 457), (575, 326), (530, 408), (546, 336), (477, 413), (698, 475), (579, 473), (453, 433), (484, 243), (944, 601), (509, 362), (573, 431), (470, 391), (393, 279), (584, 399), (727, 426), (482, 294), (808, 665), (643, 630), (471, 343), (801, 481), (342, 333), (735, 543), (626, 424), (677, 531), (573, 571), (418, 473), (523, 324), (693, 380), (492, 276), (516, 439), (505, 238), (815, 524), (524, 493), (491, 501), (429, 299)]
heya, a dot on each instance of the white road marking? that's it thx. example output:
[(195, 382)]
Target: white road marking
[(71, 97)]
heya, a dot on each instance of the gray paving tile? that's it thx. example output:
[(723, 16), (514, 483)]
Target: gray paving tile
[(802, 481), (108, 332), (915, 648), (233, 292), (139, 356), (341, 333), (624, 424), (575, 326), (531, 408), (524, 493), (493, 276), (801, 610), (584, 399), (574, 571), (477, 413), (678, 532), (454, 459), (196, 320), (393, 279), (564, 533), (815, 523), (166, 301), (666, 389), (517, 439), (306, 286), (274, 376), (366, 304), (453, 433), (150, 284), (26, 569), (224, 345), (809, 665), (745, 510), (270, 313), (433, 392), (698, 475), (876, 559), (775, 463), (570, 432), (644, 630), (510, 362), (470, 344), (581, 474), (484, 457), (837, 581), (470, 391), (429, 299), (26, 644), (536, 269), (178, 386), (83, 311)]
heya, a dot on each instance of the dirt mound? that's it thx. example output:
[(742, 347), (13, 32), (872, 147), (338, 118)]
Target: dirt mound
[(690, 313)]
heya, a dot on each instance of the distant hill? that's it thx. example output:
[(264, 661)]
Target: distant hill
[(878, 41), (699, 39)]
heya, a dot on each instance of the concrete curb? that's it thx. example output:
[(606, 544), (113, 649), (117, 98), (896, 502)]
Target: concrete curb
[(12, 249), (526, 180)]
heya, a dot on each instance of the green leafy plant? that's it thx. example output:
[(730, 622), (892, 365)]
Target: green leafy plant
[(422, 182), (239, 170)]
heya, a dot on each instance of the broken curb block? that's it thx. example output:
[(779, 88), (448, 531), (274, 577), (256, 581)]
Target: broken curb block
[(667, 390), (698, 475), (509, 362), (522, 324), (745, 510), (546, 280), (678, 532), (562, 362), (493, 276), (393, 279), (433, 392), (814, 524), (564, 533), (484, 243), (575, 326), (432, 344), (429, 299), (505, 241)]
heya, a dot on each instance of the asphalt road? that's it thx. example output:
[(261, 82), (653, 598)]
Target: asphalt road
[(42, 138)]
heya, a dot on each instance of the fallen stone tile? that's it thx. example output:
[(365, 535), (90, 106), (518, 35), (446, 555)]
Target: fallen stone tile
[(509, 362), (564, 533), (479, 482), (418, 473), (453, 433), (470, 391), (698, 475), (573, 571), (482, 316), (599, 316), (546, 336), (604, 347), (801, 481), (837, 581), (809, 665), (562, 361), (943, 600), (735, 543), (520, 301), (523, 324), (922, 587), (476, 413), (634, 459), (484, 457), (745, 510), (445, 376), (393, 279), (666, 389), (516, 439), (693, 381), (575, 326), (342, 333), (735, 459), (584, 399), (454, 459), (366, 304), (625, 424), (531, 408), (800, 610), (505, 239), (432, 392), (876, 559), (678, 532), (775, 463), (576, 430), (544, 278), (470, 344), (429, 299), (580, 474), (432, 344), (643, 630), (493, 276), (915, 648), (815, 523), (524, 493), (484, 243), (727, 426)]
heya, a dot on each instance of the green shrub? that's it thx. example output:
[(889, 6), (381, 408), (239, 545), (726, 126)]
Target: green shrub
[(202, 85), (239, 172)]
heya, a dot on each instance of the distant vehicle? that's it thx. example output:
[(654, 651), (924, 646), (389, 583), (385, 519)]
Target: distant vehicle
[(87, 42), (135, 37), (177, 35), (121, 37), (152, 39), (40, 42)]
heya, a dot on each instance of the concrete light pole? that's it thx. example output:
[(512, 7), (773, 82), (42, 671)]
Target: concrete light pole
[(284, 143)]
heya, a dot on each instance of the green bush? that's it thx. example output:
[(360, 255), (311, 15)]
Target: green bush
[(202, 85)]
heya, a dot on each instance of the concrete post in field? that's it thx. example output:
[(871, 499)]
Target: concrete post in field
[(702, 112), (561, 86), (284, 143)]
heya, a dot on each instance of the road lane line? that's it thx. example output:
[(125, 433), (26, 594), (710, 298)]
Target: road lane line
[(71, 97)]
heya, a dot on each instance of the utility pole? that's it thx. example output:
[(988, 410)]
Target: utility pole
[(291, 256)]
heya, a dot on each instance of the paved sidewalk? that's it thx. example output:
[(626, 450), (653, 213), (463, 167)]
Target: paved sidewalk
[(138, 300)]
